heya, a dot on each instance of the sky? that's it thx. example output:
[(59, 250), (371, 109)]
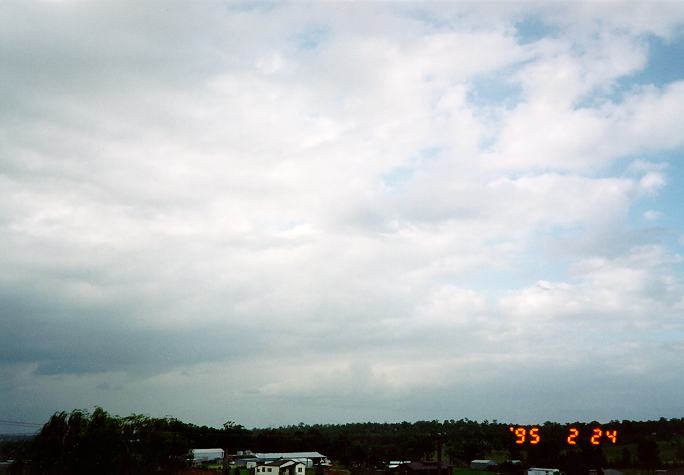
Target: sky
[(282, 212)]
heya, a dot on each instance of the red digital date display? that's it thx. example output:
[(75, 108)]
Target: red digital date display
[(594, 435)]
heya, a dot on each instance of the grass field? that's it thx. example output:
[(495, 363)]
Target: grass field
[(667, 451), (468, 471)]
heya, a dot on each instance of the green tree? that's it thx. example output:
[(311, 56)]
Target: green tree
[(648, 454), (627, 460)]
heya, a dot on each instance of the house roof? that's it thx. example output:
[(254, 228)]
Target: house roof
[(280, 463), (290, 455), (396, 463), (206, 451)]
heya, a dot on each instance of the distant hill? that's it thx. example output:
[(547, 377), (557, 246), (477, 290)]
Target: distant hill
[(16, 437)]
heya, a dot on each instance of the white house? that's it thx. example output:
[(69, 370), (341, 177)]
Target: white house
[(542, 471), (280, 467), (309, 459)]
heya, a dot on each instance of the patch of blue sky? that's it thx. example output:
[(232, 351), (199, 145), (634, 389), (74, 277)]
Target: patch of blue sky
[(494, 90), (282, 226), (311, 38), (425, 16), (491, 95), (253, 5), (665, 65), (427, 153), (662, 336), (488, 142), (494, 283), (401, 174), (667, 224), (657, 218), (598, 97), (547, 256), (531, 29), (541, 261), (397, 176), (527, 272), (627, 334)]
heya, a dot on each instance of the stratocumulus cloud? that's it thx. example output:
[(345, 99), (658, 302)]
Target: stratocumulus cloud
[(284, 212)]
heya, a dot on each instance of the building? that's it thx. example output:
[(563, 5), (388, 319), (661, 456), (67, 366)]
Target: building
[(543, 471), (309, 459), (200, 456), (281, 467), (482, 464)]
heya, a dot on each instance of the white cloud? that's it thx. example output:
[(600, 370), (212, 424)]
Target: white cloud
[(651, 182), (652, 215), (283, 190), (610, 294)]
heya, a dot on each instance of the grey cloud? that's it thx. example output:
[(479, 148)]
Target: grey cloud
[(64, 340)]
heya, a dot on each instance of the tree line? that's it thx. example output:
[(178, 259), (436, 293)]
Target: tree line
[(81, 442)]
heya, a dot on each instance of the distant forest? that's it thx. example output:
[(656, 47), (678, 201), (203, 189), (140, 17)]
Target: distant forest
[(97, 442)]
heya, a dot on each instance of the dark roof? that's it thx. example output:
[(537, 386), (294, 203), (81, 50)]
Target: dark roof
[(280, 462)]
